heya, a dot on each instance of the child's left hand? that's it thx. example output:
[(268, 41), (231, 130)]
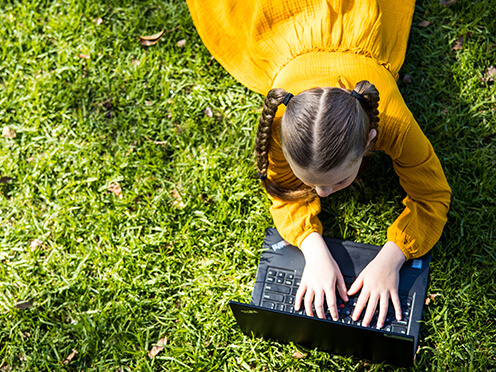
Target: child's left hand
[(379, 282)]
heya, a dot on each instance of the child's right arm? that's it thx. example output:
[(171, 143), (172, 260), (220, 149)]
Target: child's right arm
[(297, 219)]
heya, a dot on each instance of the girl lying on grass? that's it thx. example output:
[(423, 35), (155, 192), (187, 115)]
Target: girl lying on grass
[(340, 59)]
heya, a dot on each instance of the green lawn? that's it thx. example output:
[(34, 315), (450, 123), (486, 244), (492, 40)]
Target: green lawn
[(131, 211)]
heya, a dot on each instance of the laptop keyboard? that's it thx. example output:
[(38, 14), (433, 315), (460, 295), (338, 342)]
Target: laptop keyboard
[(280, 291)]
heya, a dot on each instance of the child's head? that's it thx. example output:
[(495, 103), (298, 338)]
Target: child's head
[(325, 133)]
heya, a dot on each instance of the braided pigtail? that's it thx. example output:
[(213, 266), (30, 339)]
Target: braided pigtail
[(274, 98), (370, 103)]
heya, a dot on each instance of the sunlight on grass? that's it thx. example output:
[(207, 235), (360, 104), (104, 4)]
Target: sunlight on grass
[(92, 278)]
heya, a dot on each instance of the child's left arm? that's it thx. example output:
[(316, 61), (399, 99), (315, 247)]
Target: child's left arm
[(379, 283), (421, 175)]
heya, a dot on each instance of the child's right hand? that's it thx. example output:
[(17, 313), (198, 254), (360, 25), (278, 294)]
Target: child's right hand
[(320, 279)]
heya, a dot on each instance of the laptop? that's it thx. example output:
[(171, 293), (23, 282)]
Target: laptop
[(271, 313)]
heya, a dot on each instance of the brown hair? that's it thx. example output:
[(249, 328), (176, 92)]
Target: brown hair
[(321, 128)]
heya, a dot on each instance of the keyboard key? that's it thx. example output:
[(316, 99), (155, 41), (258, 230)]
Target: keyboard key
[(398, 329), (402, 322), (347, 320), (278, 288), (272, 272), (268, 305), (274, 297)]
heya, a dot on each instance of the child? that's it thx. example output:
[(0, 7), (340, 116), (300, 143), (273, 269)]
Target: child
[(340, 59)]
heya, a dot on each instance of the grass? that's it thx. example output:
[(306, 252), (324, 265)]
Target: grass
[(105, 273)]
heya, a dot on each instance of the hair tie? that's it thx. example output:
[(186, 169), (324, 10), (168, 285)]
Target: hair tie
[(357, 95), (287, 98), (262, 177)]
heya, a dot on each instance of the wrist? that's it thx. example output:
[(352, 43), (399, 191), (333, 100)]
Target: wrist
[(393, 253), (314, 246)]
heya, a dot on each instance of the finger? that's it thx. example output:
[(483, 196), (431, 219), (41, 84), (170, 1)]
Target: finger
[(299, 296), (383, 309), (308, 302), (361, 302), (331, 303), (319, 304), (355, 287), (396, 304), (341, 286), (369, 313)]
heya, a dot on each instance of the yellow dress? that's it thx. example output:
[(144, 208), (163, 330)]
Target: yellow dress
[(300, 44)]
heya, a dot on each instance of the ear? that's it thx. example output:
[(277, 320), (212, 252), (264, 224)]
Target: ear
[(372, 135)]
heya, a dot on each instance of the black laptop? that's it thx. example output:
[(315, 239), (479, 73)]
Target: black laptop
[(271, 313)]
